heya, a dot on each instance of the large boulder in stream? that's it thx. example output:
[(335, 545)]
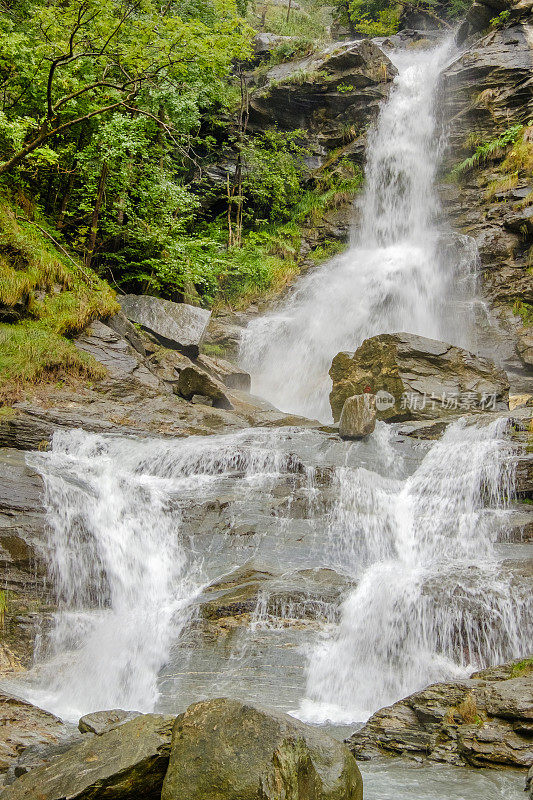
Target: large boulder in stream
[(486, 721), (125, 763), (176, 325), (417, 378), (227, 749)]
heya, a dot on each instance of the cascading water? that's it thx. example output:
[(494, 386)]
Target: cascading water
[(400, 273), (376, 559), (124, 569), (431, 601)]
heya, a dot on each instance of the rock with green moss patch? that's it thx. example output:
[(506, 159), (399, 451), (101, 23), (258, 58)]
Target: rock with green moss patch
[(227, 749), (484, 721), (417, 378)]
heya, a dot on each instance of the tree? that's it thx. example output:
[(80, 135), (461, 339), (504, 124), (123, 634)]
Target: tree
[(65, 62)]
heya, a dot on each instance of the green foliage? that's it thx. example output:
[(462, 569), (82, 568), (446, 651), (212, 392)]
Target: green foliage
[(374, 17), (501, 19), (491, 149)]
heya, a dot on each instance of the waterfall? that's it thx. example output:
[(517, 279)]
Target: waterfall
[(122, 565), (399, 274), (431, 602)]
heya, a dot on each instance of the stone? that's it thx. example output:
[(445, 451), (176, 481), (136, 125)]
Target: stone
[(416, 378), (325, 93), (358, 416), (101, 721), (228, 749), (194, 381), (229, 374), (23, 726), (529, 783), (176, 325), (525, 347), (127, 762), (126, 368), (482, 722)]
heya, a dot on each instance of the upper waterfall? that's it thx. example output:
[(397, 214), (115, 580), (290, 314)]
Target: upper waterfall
[(397, 275)]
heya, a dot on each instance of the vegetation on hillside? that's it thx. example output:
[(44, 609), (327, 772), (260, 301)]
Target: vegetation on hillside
[(45, 296)]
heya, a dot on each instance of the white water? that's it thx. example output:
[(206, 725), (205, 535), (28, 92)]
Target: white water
[(431, 602), (124, 574), (400, 273)]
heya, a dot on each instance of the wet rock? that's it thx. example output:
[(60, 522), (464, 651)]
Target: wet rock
[(484, 721), (127, 372), (326, 92), (358, 416), (194, 381), (101, 721), (225, 748), (229, 374), (25, 726), (417, 378), (525, 347), (125, 763), (176, 325)]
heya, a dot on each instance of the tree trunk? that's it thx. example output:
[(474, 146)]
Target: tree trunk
[(96, 213)]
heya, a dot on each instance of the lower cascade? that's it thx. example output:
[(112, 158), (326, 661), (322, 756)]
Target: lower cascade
[(431, 598)]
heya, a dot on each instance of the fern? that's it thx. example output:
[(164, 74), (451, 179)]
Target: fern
[(487, 150)]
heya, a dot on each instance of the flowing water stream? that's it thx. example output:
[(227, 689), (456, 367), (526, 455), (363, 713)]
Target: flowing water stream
[(285, 566), (402, 272)]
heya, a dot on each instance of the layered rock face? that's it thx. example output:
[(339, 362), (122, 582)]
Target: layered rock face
[(325, 93), (417, 378), (484, 93), (484, 721)]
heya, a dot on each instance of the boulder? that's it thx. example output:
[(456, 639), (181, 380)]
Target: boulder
[(195, 381), (483, 722), (229, 374), (126, 763), (227, 749), (358, 416), (24, 726), (127, 372), (101, 721), (176, 325), (529, 783), (417, 378)]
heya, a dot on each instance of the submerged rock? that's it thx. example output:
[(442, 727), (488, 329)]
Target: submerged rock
[(484, 721), (358, 416), (417, 378), (227, 749), (176, 325), (126, 763)]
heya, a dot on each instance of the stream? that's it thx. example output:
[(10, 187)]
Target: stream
[(285, 566)]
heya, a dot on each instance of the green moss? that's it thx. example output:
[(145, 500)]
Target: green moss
[(31, 352), (524, 667), (524, 310)]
